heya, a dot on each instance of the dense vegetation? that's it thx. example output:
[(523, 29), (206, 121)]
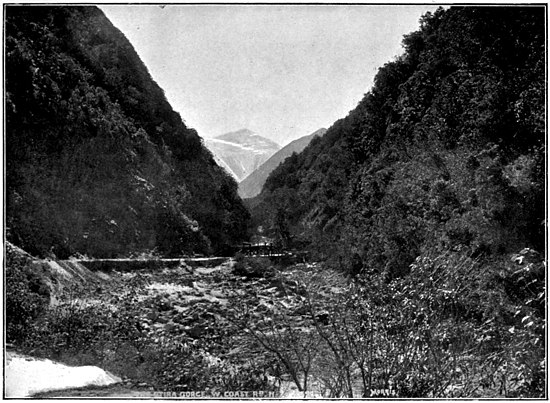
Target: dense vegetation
[(97, 162), (446, 150), (425, 193)]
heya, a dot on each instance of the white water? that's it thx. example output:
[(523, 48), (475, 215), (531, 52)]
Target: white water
[(25, 376)]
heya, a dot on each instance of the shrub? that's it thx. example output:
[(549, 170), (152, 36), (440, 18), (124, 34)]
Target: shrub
[(27, 295), (454, 327)]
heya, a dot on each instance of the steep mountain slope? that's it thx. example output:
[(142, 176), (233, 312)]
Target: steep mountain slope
[(446, 151), (252, 185), (241, 152), (97, 161)]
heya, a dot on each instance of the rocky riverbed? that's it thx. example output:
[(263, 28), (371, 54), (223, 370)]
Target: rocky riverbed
[(175, 312)]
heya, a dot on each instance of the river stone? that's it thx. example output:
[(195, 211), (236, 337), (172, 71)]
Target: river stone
[(195, 332)]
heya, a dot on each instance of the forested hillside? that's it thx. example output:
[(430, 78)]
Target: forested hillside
[(97, 162), (430, 196), (445, 152)]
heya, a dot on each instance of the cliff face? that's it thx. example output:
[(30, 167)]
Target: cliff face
[(97, 162)]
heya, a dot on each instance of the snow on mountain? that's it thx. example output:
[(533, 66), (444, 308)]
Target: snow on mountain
[(241, 152), (253, 183)]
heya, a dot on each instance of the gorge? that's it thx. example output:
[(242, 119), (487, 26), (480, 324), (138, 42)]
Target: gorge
[(419, 219)]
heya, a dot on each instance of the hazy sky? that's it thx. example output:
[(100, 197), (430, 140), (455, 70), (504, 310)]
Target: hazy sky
[(280, 71)]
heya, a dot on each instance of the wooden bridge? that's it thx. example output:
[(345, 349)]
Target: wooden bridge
[(258, 249)]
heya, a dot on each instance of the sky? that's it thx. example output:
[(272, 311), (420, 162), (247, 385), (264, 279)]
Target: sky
[(282, 71)]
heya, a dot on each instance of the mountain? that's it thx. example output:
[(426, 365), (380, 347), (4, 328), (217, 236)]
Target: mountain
[(97, 161), (445, 153), (241, 152), (253, 183)]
